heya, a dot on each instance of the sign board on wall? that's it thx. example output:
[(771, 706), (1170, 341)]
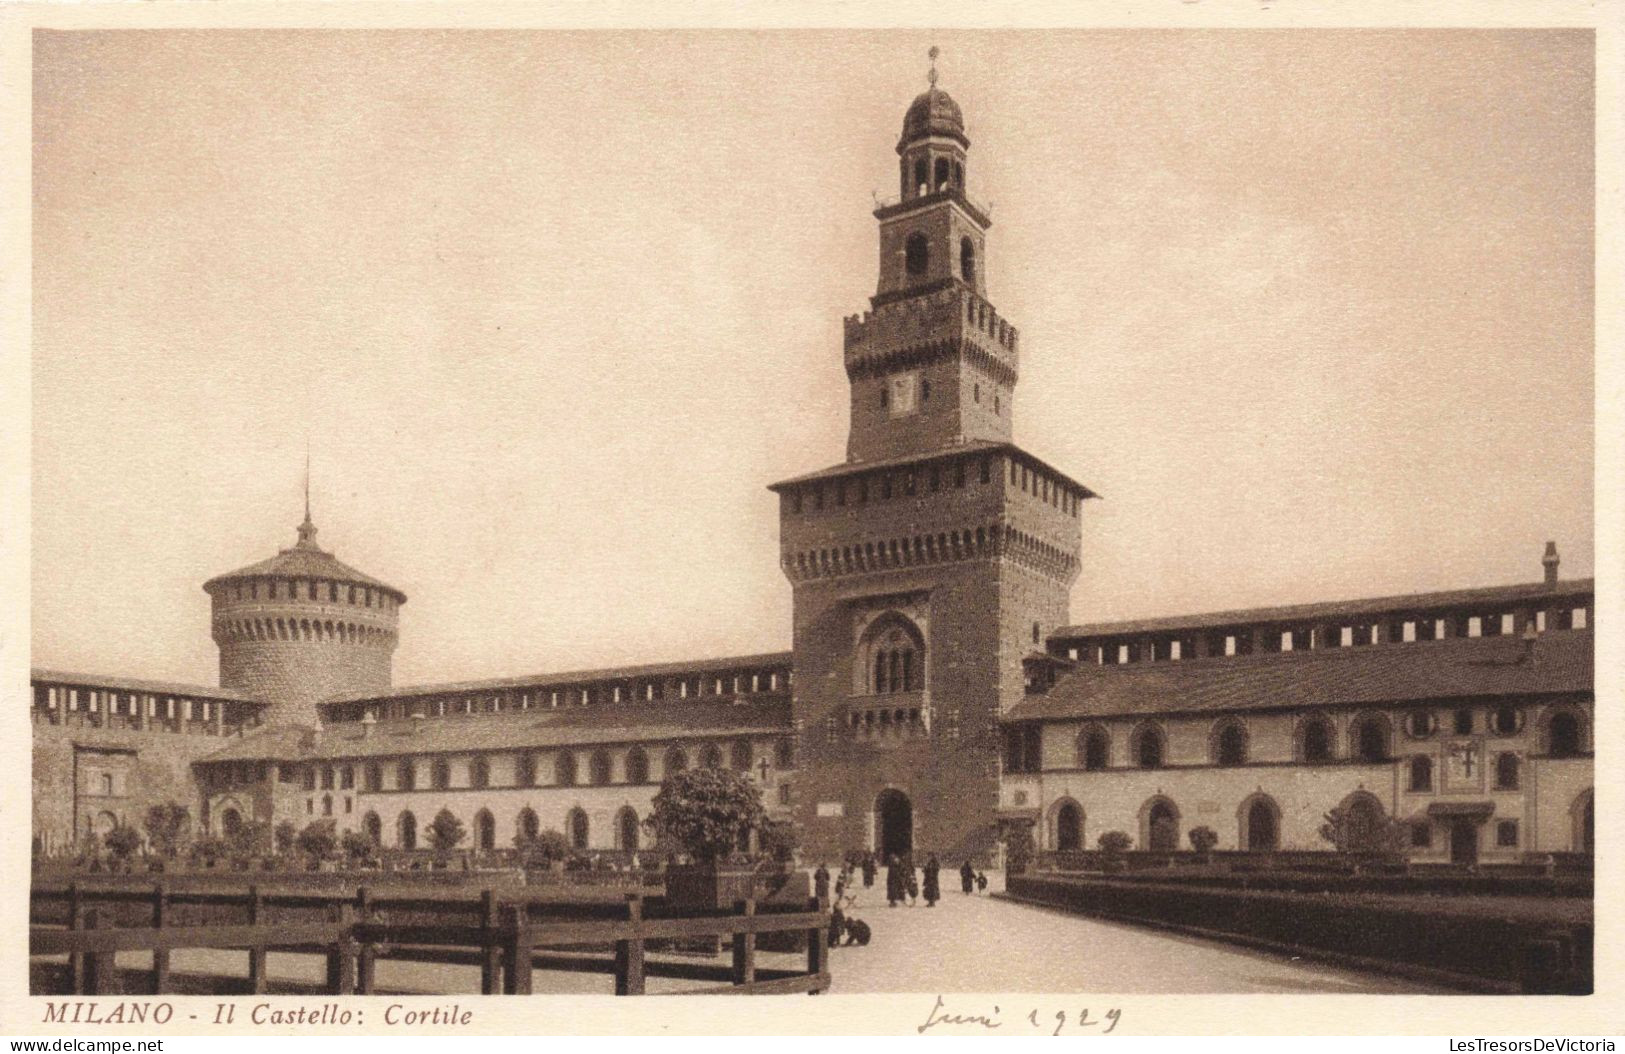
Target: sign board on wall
[(831, 808)]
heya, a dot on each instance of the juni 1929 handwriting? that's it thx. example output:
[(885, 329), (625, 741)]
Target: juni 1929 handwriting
[(1035, 1019)]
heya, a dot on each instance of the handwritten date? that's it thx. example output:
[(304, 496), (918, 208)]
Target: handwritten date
[(941, 1017)]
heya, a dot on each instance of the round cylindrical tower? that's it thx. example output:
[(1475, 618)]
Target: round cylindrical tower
[(301, 627)]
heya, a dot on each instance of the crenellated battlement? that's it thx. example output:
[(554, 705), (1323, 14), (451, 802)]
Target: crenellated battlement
[(949, 318)]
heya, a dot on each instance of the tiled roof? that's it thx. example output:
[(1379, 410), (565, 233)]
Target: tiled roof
[(129, 684), (1331, 609), (306, 562), (978, 446), (575, 677), (1560, 662), (576, 726)]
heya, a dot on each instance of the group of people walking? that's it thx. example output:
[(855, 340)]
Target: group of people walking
[(903, 886)]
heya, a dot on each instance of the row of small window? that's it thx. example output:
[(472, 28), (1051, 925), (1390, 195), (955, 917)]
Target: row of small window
[(887, 485), (318, 589), (1506, 834), (884, 486), (1407, 631), (688, 688), (600, 768), (327, 805), (1502, 721), (1369, 740), (130, 704), (1508, 771)]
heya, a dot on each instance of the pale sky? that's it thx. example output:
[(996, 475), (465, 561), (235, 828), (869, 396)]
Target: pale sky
[(1311, 309)]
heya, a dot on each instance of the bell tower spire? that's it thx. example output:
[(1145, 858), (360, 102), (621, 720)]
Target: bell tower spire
[(932, 365), (307, 529)]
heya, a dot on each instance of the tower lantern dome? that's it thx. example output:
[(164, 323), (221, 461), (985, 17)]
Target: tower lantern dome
[(933, 113), (931, 150)]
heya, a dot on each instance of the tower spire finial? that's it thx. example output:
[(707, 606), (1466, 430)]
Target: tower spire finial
[(932, 76), (307, 530)]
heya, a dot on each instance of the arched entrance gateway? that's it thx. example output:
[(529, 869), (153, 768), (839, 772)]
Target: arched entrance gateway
[(894, 824)]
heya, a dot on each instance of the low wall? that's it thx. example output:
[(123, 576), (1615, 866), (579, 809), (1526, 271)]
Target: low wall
[(1532, 946)]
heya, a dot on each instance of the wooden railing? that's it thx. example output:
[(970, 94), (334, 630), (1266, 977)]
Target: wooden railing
[(509, 941)]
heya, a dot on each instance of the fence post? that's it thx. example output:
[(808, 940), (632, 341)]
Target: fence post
[(745, 948), (341, 959), (160, 955), (256, 951), (490, 952), (817, 952), (76, 921), (518, 951), (99, 966), (367, 956), (629, 952)]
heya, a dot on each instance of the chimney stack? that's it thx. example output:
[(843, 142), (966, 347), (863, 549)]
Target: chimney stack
[(1549, 561)]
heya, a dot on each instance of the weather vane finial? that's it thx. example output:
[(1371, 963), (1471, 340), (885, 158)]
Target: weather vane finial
[(932, 76), (307, 530)]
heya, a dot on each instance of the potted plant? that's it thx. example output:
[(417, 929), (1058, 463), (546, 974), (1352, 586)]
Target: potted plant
[(446, 832), (1203, 839), (709, 815), (543, 851), (1113, 847)]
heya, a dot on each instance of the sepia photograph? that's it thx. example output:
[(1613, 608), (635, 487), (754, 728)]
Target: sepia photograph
[(808, 510)]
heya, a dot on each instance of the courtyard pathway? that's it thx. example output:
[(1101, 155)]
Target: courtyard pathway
[(982, 943)]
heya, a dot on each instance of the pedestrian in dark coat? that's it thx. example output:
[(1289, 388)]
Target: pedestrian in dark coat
[(967, 877), (821, 882), (868, 871), (837, 926), (933, 883), (981, 881), (895, 883)]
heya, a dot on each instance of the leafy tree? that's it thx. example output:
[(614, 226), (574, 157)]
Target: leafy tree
[(706, 811), (318, 840), (1203, 839), (357, 846), (779, 840), (286, 833), (542, 848), (166, 827), (1019, 848), (1351, 832), (1114, 843), (446, 832), (251, 836), (208, 849), (122, 842)]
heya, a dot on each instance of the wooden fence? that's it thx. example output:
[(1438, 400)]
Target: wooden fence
[(507, 939)]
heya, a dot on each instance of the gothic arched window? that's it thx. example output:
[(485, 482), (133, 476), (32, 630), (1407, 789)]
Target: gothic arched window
[(967, 260), (893, 655)]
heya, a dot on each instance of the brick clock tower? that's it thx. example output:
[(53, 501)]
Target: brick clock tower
[(938, 556)]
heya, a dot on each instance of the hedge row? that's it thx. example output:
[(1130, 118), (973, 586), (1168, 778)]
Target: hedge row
[(1506, 950), (1450, 883)]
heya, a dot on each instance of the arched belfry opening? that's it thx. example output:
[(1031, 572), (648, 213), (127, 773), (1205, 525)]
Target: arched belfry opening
[(894, 824)]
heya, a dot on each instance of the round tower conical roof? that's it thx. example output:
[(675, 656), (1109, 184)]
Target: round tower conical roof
[(305, 559)]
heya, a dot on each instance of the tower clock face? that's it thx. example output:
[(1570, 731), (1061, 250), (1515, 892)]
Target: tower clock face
[(904, 393)]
